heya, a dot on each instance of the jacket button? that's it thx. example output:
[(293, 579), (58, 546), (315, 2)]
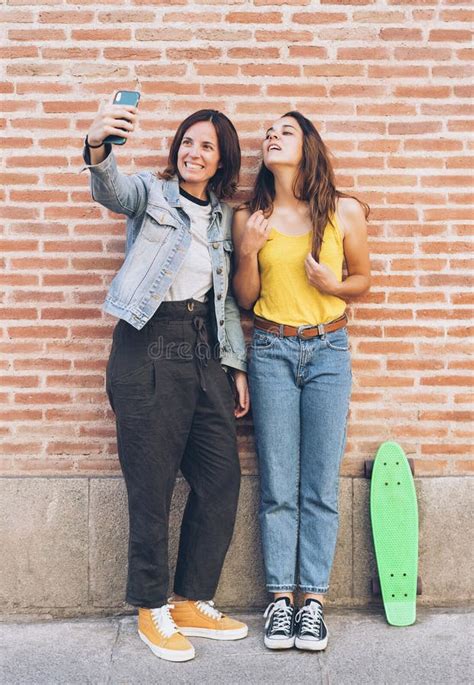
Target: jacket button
[(221, 322), (219, 296), (215, 245), (219, 270)]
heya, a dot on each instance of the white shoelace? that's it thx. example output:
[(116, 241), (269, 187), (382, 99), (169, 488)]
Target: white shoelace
[(311, 616), (281, 614), (163, 620), (209, 609)]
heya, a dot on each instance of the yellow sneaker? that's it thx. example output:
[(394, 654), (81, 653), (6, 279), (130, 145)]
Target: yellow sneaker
[(158, 630), (201, 619)]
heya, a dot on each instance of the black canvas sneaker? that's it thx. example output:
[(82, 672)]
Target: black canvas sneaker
[(280, 624), (311, 631)]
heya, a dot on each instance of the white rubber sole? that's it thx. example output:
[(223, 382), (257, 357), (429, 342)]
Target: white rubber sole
[(312, 645), (236, 634), (279, 644), (168, 654)]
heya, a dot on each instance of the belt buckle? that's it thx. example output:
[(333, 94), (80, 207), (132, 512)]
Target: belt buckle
[(300, 330)]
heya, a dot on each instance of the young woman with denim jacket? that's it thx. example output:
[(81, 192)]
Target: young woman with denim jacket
[(291, 240), (177, 353)]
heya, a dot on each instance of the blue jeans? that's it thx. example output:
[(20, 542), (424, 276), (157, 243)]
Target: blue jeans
[(300, 391)]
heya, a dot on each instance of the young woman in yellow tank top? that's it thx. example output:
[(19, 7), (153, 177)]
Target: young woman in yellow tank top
[(291, 242)]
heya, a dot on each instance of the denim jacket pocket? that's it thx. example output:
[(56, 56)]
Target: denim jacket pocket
[(157, 223)]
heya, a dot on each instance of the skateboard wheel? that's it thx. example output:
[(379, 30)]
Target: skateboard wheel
[(412, 466), (419, 586), (368, 466), (375, 587)]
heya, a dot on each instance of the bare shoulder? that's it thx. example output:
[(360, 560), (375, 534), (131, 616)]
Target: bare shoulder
[(350, 208), (351, 215)]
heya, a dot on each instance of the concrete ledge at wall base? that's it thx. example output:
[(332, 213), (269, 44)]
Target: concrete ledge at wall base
[(64, 546)]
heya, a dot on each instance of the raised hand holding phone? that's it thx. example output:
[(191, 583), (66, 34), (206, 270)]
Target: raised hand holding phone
[(123, 98), (114, 123)]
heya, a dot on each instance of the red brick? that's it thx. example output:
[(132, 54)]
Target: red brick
[(30, 34), (70, 53), (253, 18), (397, 71), (192, 54), (311, 52), (191, 17), (419, 92), (450, 35), (282, 70), (257, 53), (16, 448), (365, 54), (134, 54), (126, 17), (319, 18), (401, 34), (18, 52), (101, 34), (422, 54), (286, 36), (42, 398), (65, 17)]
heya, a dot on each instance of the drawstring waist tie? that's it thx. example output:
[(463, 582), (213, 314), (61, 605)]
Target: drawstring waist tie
[(198, 316)]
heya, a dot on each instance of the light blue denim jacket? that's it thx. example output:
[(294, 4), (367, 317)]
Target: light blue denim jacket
[(157, 240)]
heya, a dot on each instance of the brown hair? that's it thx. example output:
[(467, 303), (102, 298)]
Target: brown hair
[(314, 183), (225, 180)]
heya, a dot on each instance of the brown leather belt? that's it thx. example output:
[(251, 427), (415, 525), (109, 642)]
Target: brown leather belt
[(300, 331)]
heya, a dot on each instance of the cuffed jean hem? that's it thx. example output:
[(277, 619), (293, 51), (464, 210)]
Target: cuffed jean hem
[(316, 590), (281, 588)]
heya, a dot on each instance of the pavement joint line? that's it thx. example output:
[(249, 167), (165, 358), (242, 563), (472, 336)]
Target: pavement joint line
[(111, 660), (325, 680)]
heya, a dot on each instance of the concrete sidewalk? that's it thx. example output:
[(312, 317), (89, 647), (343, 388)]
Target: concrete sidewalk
[(362, 649)]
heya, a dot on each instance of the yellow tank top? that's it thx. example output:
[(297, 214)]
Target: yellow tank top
[(285, 295)]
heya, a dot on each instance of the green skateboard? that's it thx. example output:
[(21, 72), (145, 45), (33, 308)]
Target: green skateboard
[(394, 516)]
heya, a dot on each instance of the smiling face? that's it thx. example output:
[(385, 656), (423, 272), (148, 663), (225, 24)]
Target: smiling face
[(283, 144), (198, 154)]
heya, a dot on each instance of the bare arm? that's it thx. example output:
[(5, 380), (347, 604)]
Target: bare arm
[(249, 234), (356, 250), (356, 253)]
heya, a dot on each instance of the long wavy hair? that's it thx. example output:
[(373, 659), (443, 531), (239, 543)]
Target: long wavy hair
[(225, 181), (314, 183)]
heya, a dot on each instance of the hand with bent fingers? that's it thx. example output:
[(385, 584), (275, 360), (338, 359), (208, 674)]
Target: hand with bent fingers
[(242, 397), (320, 276), (256, 233), (112, 119)]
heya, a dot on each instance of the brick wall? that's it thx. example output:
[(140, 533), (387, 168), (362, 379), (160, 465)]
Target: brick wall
[(387, 84)]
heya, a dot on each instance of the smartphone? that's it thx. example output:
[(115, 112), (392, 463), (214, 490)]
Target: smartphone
[(123, 97)]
